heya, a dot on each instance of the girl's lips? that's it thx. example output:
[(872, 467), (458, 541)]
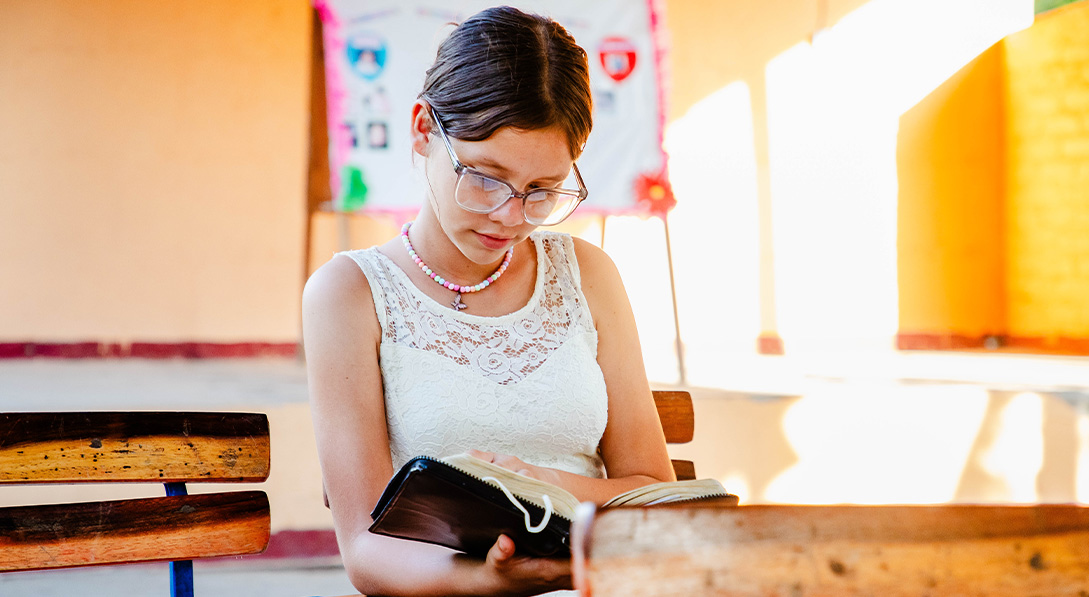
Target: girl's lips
[(492, 242)]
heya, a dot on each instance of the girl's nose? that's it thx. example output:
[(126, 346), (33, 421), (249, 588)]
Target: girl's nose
[(509, 214)]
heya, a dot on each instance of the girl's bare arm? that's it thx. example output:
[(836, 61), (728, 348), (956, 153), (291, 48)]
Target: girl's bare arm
[(341, 336)]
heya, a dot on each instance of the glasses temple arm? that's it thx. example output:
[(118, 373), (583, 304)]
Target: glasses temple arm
[(446, 141)]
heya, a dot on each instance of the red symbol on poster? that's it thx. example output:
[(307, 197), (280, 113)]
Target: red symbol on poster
[(617, 57)]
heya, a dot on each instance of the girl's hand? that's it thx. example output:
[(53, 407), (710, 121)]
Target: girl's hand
[(515, 464), (509, 574)]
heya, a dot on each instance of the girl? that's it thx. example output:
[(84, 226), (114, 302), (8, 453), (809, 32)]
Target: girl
[(475, 331)]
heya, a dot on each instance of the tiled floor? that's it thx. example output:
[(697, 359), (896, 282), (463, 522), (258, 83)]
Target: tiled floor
[(749, 389), (282, 578)]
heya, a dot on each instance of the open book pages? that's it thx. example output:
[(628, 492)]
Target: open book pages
[(564, 503), (665, 493), (530, 489)]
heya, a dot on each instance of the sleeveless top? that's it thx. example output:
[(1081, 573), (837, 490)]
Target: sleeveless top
[(525, 384)]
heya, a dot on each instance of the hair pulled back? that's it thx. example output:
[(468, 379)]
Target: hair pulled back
[(503, 67)]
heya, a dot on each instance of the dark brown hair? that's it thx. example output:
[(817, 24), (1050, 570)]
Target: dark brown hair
[(503, 67)]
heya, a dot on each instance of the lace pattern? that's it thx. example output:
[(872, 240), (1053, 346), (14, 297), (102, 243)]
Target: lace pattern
[(526, 383)]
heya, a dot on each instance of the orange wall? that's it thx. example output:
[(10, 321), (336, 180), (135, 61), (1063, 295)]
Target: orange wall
[(950, 168), (1048, 176), (152, 169)]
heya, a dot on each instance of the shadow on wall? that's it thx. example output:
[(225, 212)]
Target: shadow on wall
[(739, 439), (885, 443), (1028, 449)]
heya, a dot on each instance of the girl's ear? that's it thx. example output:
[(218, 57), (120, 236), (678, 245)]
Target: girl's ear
[(421, 127)]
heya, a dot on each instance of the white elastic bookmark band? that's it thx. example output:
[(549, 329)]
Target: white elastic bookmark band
[(510, 496)]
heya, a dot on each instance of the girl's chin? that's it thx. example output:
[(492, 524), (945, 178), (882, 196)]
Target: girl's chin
[(478, 253)]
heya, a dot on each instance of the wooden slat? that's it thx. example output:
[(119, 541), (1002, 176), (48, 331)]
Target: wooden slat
[(165, 528), (678, 418), (684, 469), (133, 446), (851, 551)]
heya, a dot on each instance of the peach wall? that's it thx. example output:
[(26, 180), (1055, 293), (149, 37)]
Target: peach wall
[(950, 170), (152, 169), (1048, 177), (715, 43), (152, 175)]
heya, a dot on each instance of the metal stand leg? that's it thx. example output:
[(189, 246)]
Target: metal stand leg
[(181, 572)]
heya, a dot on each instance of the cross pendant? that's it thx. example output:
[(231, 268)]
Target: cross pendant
[(457, 304)]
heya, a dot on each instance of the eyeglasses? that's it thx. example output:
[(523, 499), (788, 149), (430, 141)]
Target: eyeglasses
[(482, 194)]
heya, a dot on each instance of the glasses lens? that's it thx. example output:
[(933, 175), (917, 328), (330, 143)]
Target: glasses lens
[(547, 207), (479, 193)]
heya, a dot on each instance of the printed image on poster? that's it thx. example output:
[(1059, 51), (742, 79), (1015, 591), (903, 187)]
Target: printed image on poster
[(366, 55), (377, 52), (377, 135)]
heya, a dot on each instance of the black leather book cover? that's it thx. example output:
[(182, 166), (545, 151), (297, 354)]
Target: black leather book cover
[(431, 501)]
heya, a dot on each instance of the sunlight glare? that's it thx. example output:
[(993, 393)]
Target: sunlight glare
[(1082, 482), (833, 119), (875, 443), (637, 246), (738, 485), (712, 165)]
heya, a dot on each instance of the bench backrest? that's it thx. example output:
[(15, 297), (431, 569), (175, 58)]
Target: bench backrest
[(893, 551), (172, 448), (678, 422)]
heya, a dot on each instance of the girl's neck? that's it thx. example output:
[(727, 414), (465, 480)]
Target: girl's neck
[(434, 246)]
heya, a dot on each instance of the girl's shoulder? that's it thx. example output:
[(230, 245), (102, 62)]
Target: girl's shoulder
[(338, 281), (554, 243), (347, 287), (594, 271), (600, 279)]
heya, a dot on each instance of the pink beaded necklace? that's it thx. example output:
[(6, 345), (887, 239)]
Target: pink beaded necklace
[(457, 305)]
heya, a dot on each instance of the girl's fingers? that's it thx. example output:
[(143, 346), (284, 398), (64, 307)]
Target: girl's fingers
[(485, 456), (501, 552), (512, 463)]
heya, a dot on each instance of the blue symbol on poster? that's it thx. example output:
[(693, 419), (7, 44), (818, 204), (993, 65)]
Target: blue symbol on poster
[(366, 55)]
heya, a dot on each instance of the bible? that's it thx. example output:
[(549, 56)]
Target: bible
[(465, 503)]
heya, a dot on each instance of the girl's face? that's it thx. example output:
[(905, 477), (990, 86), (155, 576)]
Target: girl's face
[(525, 159)]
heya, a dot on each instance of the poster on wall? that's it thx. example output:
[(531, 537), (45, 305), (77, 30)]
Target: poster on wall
[(376, 54)]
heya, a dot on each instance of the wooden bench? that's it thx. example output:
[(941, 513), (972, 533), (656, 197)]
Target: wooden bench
[(172, 448), (842, 551), (679, 424)]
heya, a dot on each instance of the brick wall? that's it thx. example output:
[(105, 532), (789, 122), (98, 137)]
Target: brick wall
[(1047, 178)]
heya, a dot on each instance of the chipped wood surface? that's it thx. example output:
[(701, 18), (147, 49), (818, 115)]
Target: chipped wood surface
[(156, 447), (677, 416), (153, 529), (850, 551)]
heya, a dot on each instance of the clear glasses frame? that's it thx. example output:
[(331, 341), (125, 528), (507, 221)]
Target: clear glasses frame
[(552, 218)]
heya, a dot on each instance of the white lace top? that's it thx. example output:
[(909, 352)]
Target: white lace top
[(526, 384)]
